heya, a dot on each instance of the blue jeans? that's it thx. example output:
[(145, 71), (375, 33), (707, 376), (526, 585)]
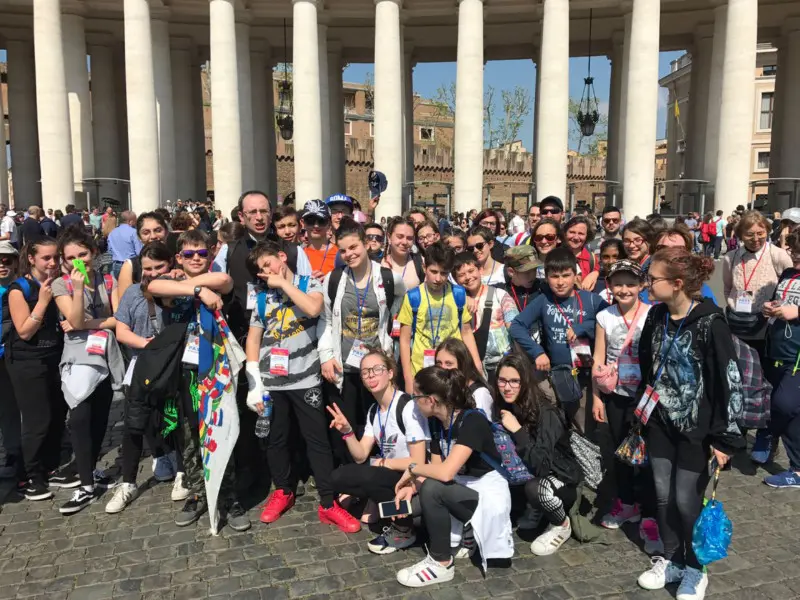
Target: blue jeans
[(117, 267), (785, 409)]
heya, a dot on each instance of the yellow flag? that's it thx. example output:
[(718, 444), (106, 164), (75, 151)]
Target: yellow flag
[(677, 110)]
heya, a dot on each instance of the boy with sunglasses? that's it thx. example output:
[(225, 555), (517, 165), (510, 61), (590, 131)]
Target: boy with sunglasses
[(376, 241), (321, 252)]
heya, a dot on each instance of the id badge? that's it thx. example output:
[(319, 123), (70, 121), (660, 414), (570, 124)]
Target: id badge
[(647, 404), (429, 358), (581, 353), (191, 354), (96, 342), (279, 362), (744, 302), (628, 370), (357, 353), (252, 294), (395, 328)]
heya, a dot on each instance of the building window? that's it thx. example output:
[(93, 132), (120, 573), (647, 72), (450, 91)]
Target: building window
[(350, 101), (765, 116), (769, 70), (372, 130), (762, 164), (348, 128), (426, 134)]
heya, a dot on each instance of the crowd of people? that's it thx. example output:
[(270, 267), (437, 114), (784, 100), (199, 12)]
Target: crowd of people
[(434, 376)]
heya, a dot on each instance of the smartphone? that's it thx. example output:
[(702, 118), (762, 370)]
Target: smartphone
[(388, 509)]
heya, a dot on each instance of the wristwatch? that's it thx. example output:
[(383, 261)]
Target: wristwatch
[(411, 468), (197, 291)]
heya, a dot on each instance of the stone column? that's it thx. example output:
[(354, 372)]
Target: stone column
[(104, 122), (469, 99), (389, 104), (271, 133), (778, 119), (736, 108), (225, 116), (552, 128), (80, 110), (698, 102), (198, 131), (336, 104), (784, 126), (714, 99), (307, 103), (641, 109), (245, 105), (162, 70), (325, 111), (613, 158), (183, 100), (23, 131), (55, 152), (263, 126), (408, 117), (140, 91), (120, 90), (4, 198)]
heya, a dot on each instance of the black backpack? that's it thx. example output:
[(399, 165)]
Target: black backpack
[(398, 412)]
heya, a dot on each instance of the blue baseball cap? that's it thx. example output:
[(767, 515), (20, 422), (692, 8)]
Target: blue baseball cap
[(339, 199)]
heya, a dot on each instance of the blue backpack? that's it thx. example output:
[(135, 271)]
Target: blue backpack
[(511, 467), (261, 299), (415, 299), (25, 285)]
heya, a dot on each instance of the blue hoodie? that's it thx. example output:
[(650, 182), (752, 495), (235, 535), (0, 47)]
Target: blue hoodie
[(544, 311)]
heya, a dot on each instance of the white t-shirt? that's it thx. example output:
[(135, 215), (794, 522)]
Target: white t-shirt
[(483, 400), (516, 225), (395, 443), (8, 226), (616, 331), (497, 276)]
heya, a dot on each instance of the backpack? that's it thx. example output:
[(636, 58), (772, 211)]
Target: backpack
[(398, 414), (387, 277), (25, 287), (415, 299), (261, 299), (757, 390), (511, 466), (582, 515), (419, 267)]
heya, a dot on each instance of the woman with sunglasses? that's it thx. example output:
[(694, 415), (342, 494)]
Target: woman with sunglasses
[(481, 242), (545, 236), (398, 431), (399, 257), (458, 486), (150, 227), (88, 348), (637, 235)]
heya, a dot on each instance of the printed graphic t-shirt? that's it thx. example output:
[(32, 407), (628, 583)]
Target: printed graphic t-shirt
[(395, 443), (350, 318)]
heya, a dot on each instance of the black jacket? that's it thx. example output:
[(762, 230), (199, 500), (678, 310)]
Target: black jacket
[(545, 450)]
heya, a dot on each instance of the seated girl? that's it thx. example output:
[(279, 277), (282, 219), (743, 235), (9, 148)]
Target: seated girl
[(453, 354)]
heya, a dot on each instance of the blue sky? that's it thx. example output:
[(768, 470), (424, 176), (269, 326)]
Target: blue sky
[(507, 74)]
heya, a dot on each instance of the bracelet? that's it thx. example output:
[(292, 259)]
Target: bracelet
[(347, 435), (35, 318)]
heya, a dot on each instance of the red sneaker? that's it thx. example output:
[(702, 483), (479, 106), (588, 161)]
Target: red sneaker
[(277, 504), (336, 515)]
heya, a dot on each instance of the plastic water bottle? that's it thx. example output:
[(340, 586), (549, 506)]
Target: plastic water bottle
[(264, 419)]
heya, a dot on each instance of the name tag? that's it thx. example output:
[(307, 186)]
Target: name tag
[(96, 342), (628, 371), (357, 353), (646, 405), (429, 358), (744, 302), (395, 328), (279, 362), (191, 354), (252, 294), (581, 353)]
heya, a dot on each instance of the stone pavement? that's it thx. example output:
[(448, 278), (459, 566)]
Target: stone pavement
[(140, 553)]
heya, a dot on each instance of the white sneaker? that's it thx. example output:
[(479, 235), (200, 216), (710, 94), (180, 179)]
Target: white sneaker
[(551, 540), (693, 585), (530, 519), (648, 531), (426, 572), (162, 469), (660, 573), (179, 491), (620, 514), (124, 495)]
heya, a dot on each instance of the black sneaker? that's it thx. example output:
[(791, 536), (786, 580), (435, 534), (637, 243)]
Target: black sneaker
[(192, 510), (101, 480), (35, 490), (64, 478), (81, 498), (237, 517)]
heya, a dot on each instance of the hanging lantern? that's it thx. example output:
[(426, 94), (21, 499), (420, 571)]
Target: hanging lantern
[(588, 115), (285, 121)]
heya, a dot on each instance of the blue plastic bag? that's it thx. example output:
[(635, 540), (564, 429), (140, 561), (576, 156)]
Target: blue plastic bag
[(712, 530)]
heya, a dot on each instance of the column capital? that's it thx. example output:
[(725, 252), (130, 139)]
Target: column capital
[(481, 1), (238, 5), (398, 2), (317, 3), (73, 7)]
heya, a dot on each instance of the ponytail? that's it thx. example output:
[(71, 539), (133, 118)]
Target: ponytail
[(449, 387)]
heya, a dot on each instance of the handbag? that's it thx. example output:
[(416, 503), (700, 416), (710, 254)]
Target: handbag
[(633, 451), (565, 384), (713, 530), (606, 377)]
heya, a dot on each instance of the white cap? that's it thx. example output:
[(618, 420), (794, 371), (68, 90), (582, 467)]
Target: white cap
[(791, 214)]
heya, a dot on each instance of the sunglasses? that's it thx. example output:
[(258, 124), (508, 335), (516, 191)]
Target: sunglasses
[(374, 237), (550, 211), (550, 237), (7, 260), (191, 253), (479, 247), (610, 221), (315, 222)]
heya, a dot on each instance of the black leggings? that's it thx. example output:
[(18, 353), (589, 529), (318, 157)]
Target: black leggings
[(87, 425), (439, 501), (680, 473), (365, 481), (634, 484), (551, 496), (37, 384)]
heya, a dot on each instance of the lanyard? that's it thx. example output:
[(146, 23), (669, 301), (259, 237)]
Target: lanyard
[(449, 433), (579, 306), (520, 307), (491, 272), (632, 323), (788, 286), (93, 297), (435, 333), (665, 355), (382, 426), (360, 304), (392, 265), (325, 255), (747, 279)]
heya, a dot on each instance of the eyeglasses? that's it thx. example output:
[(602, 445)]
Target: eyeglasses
[(488, 224), (416, 397), (637, 241), (427, 238), (651, 280), (512, 383), (375, 371), (755, 236), (375, 237), (550, 211), (611, 221), (263, 212), (191, 253), (549, 237), (479, 247)]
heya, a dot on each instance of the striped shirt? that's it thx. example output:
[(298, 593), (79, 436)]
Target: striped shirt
[(288, 327)]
